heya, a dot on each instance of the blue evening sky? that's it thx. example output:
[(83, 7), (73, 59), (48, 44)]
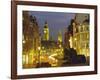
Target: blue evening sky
[(57, 21)]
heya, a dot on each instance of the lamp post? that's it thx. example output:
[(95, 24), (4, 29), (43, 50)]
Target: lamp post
[(39, 48)]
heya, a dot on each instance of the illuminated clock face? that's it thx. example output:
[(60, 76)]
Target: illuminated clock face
[(44, 31)]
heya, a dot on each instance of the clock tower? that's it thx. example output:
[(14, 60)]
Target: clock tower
[(46, 32)]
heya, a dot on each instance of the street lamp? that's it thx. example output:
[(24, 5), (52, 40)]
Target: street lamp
[(24, 41), (75, 39), (39, 48)]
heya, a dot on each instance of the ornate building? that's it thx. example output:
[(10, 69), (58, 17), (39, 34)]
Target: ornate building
[(80, 38), (79, 18), (31, 39)]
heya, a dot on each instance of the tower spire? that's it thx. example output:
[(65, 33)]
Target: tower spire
[(60, 36)]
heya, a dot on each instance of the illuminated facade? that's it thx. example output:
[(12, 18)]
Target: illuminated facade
[(80, 38), (31, 39), (46, 32)]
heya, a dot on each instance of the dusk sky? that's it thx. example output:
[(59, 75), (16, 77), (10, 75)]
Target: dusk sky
[(57, 21)]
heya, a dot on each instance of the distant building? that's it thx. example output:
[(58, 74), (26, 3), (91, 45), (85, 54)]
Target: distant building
[(46, 32), (49, 46), (60, 37)]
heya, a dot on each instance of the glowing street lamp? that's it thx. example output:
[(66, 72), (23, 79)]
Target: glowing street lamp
[(24, 41), (75, 39), (39, 48)]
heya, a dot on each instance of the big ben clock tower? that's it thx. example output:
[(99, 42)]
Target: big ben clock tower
[(46, 32)]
